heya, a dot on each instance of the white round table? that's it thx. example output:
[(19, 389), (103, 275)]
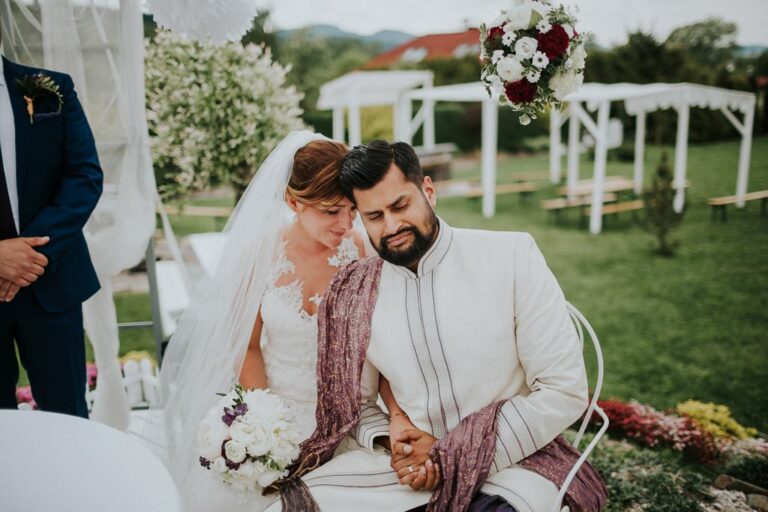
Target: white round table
[(56, 462)]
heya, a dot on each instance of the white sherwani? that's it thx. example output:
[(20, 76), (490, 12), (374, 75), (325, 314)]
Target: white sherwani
[(482, 320)]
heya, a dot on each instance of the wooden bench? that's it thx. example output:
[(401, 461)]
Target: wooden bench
[(436, 161), (620, 207), (720, 203), (457, 188), (561, 204)]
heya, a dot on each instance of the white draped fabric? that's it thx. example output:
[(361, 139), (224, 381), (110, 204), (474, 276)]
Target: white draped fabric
[(100, 44), (217, 21)]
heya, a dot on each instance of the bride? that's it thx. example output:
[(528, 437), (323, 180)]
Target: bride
[(255, 321)]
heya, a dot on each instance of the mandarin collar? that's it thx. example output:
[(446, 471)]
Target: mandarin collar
[(434, 255)]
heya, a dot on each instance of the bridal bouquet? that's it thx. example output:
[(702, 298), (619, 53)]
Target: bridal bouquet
[(247, 440), (533, 56)]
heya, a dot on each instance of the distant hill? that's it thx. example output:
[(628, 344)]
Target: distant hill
[(386, 39), (751, 50)]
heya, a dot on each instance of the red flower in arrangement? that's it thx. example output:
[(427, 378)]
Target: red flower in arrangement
[(521, 91), (554, 42), (496, 32)]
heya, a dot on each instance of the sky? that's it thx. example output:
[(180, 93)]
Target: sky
[(608, 20)]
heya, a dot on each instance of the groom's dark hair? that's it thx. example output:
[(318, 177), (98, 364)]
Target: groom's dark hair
[(366, 165)]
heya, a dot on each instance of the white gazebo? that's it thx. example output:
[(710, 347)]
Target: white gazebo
[(470, 92), (374, 88), (400, 89), (639, 100)]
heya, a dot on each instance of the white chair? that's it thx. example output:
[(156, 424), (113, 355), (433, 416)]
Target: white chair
[(582, 324), (207, 248)]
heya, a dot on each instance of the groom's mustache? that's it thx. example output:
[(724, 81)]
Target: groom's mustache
[(385, 240)]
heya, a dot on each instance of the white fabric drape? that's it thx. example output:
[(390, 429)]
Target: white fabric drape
[(217, 21), (100, 44)]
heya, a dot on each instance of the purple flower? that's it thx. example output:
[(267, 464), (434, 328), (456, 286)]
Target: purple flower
[(228, 418), (231, 413)]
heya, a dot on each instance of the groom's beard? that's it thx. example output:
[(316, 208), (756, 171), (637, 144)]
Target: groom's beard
[(410, 255)]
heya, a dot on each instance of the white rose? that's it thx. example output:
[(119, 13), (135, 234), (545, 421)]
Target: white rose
[(219, 465), (525, 47), (262, 441), (234, 451), (510, 69), (563, 84), (284, 450), (520, 14), (242, 431), (579, 57)]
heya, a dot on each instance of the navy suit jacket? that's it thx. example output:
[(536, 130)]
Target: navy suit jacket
[(59, 183)]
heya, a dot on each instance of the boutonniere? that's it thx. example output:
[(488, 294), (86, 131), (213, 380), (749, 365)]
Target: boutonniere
[(37, 86)]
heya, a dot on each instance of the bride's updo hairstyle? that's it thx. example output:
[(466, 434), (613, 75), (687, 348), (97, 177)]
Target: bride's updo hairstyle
[(315, 174)]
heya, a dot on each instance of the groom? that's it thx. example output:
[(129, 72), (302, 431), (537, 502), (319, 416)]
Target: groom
[(472, 332), (50, 182)]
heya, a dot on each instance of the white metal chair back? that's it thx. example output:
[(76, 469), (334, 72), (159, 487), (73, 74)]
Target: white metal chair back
[(582, 325)]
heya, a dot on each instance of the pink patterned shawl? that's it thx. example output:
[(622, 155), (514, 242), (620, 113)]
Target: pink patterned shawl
[(465, 454)]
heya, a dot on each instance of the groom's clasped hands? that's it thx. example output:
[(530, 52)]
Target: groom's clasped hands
[(410, 455), (20, 264)]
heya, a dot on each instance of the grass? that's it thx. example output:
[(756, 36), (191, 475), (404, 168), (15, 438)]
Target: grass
[(692, 326)]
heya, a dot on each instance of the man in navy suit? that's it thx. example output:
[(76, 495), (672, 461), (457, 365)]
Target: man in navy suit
[(50, 182)]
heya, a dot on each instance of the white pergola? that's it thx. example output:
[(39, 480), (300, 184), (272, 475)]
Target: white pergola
[(639, 100), (400, 89), (374, 88), (470, 92)]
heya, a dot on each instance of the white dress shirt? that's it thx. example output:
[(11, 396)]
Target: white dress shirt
[(8, 145)]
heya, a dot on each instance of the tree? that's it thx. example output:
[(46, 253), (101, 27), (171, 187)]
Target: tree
[(261, 32), (214, 112), (711, 42), (659, 205)]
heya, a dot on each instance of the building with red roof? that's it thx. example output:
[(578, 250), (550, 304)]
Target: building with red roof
[(432, 46)]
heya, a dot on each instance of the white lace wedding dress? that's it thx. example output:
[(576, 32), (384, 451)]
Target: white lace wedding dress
[(289, 348), (289, 337)]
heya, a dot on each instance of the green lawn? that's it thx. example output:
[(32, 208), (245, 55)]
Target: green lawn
[(694, 326)]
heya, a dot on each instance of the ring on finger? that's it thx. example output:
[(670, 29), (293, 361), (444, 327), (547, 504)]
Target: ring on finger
[(410, 468)]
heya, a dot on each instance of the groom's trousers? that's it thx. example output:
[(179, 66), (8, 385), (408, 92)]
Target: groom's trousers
[(51, 347)]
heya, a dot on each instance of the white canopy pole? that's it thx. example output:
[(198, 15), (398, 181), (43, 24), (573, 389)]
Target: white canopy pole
[(744, 154), (355, 132), (601, 152), (406, 120), (573, 148), (338, 123), (555, 122), (429, 119), (489, 142), (639, 152), (681, 155)]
